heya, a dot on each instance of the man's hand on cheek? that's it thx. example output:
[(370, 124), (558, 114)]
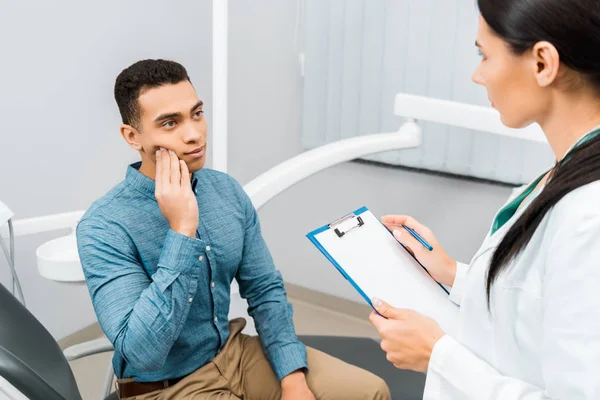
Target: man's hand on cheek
[(174, 194)]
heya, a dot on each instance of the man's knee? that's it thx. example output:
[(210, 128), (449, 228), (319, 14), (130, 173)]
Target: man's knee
[(379, 388), (366, 386)]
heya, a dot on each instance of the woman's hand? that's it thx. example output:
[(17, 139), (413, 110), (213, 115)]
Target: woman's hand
[(438, 263), (407, 337)]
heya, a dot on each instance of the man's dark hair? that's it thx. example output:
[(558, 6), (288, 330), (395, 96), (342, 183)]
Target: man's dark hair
[(139, 77)]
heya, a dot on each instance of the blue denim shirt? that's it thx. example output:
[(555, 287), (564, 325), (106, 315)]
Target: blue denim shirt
[(162, 298)]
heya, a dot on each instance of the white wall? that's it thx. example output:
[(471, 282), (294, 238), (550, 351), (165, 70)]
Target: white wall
[(61, 147)]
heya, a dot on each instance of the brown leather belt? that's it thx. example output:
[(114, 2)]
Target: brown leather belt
[(132, 389)]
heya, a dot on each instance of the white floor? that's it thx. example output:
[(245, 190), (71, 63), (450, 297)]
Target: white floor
[(309, 320)]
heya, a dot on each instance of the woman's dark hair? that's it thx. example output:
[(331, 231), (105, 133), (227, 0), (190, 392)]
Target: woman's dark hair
[(573, 27)]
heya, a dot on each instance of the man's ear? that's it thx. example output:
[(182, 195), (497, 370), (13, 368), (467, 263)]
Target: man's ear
[(131, 136)]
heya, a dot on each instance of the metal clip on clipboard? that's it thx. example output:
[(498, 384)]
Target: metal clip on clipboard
[(346, 224)]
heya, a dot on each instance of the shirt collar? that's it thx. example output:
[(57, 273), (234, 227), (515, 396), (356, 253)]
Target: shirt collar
[(144, 184)]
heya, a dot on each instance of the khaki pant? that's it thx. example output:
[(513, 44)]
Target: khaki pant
[(242, 371)]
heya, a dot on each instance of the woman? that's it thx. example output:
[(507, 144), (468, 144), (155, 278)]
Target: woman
[(530, 299)]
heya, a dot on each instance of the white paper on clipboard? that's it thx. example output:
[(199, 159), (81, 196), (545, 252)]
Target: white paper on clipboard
[(378, 266)]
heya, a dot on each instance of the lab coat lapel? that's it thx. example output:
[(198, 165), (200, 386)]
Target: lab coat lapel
[(490, 243), (493, 240)]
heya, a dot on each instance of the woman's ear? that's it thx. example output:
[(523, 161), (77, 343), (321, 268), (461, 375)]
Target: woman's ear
[(131, 136), (547, 63)]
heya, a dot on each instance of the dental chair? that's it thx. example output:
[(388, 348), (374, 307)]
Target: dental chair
[(32, 365)]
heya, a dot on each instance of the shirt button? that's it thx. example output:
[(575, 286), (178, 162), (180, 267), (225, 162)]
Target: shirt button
[(200, 258), (190, 299), (207, 248), (216, 320), (212, 284)]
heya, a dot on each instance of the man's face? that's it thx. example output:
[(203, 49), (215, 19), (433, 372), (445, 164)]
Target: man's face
[(171, 117)]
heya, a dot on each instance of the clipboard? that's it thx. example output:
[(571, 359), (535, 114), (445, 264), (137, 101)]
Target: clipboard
[(368, 256)]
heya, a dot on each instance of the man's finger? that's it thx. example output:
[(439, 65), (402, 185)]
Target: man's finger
[(185, 175), (175, 175), (158, 176), (166, 168)]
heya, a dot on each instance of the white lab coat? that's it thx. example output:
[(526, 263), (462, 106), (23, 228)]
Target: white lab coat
[(542, 337)]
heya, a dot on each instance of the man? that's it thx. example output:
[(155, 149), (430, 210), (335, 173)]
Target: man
[(160, 250)]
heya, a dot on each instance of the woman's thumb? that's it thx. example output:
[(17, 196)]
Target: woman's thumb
[(384, 309), (397, 234), (403, 239)]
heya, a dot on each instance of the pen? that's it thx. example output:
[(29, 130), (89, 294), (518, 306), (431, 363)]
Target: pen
[(416, 236)]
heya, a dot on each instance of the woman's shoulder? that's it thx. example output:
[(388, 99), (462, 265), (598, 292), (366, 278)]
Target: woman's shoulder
[(581, 202), (578, 212)]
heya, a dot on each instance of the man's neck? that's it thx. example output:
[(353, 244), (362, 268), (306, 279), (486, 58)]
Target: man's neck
[(148, 168)]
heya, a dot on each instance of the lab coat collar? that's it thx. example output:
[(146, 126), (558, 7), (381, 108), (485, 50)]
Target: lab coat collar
[(492, 241)]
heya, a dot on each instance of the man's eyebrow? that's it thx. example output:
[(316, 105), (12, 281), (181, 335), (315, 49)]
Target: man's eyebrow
[(198, 104), (162, 117), (168, 116)]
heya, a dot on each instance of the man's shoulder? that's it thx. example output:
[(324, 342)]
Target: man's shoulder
[(107, 208)]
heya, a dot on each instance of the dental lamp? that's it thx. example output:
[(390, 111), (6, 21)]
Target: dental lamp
[(6, 218)]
